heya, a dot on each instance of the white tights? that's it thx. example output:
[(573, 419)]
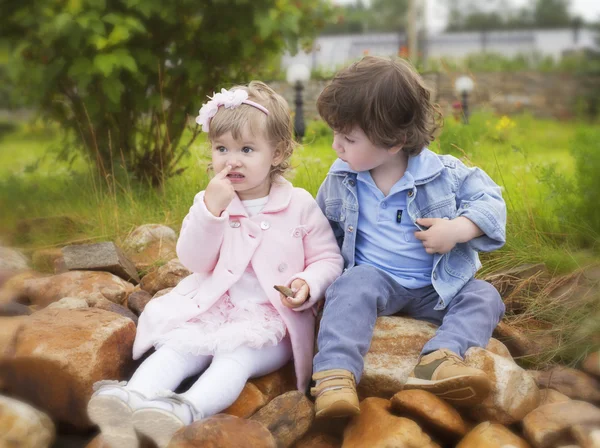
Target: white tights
[(222, 382)]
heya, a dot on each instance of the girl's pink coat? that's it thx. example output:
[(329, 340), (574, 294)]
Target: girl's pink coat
[(289, 239)]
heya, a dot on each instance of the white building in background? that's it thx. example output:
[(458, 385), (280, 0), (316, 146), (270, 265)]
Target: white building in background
[(331, 52)]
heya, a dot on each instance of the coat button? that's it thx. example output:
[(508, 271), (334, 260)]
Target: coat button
[(352, 182), (410, 193), (265, 225), (282, 267), (235, 224), (350, 229)]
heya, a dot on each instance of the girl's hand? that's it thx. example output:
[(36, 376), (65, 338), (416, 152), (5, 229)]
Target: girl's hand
[(219, 192), (301, 293)]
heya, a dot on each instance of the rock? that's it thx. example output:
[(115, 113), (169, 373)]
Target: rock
[(222, 431), (377, 427), (515, 282), (288, 417), (492, 435), (138, 300), (61, 225), (587, 436), (497, 347), (150, 244), (395, 347), (57, 355), (277, 383), (99, 442), (549, 425), (84, 284), (8, 329), (107, 305), (514, 393), (69, 303), (104, 256), (548, 396), (13, 289), (591, 363), (49, 260), (167, 276), (23, 426), (162, 292), (318, 440), (251, 399), (430, 411), (517, 342), (12, 259), (14, 309), (573, 383)]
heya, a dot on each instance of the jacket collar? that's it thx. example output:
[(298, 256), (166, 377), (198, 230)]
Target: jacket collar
[(423, 167), (279, 199)]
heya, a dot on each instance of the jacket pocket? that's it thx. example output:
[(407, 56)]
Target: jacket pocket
[(444, 208), (334, 211)]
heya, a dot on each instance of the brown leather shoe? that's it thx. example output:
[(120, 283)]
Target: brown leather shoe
[(335, 394), (444, 373)]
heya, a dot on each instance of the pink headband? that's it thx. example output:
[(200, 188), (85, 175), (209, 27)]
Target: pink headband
[(228, 98)]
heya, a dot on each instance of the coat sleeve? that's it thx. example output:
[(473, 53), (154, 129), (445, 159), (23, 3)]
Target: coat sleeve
[(201, 237), (335, 226), (322, 259), (480, 200)]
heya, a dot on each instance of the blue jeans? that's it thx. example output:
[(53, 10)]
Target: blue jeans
[(355, 300)]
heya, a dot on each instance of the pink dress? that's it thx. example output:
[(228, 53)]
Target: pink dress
[(241, 317)]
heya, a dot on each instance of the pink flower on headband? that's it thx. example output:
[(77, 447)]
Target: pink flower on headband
[(228, 98)]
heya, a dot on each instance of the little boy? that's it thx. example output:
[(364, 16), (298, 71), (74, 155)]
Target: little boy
[(409, 223)]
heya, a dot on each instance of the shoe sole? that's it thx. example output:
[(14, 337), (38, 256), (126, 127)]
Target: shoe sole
[(114, 417), (157, 424), (461, 390), (338, 409)]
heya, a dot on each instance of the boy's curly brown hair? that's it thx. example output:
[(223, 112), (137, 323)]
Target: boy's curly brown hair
[(387, 99)]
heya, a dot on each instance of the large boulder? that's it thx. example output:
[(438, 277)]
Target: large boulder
[(23, 426), (57, 355), (222, 431), (573, 383), (492, 435), (551, 425), (167, 276), (377, 427), (84, 284), (514, 392), (105, 256)]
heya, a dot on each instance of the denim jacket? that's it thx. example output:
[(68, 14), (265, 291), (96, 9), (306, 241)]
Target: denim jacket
[(444, 188)]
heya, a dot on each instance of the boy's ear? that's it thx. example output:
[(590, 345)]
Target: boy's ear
[(395, 149)]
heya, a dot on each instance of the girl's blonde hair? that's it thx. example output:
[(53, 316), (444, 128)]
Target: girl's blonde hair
[(277, 126)]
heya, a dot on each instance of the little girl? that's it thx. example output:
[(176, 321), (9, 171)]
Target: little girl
[(249, 231)]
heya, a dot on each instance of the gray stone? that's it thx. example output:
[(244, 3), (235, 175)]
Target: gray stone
[(138, 300), (12, 259), (14, 309), (100, 257)]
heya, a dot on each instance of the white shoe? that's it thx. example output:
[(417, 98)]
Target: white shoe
[(111, 408), (159, 419)]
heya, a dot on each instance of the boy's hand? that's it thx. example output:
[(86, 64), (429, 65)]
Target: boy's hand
[(301, 293), (219, 192), (444, 234)]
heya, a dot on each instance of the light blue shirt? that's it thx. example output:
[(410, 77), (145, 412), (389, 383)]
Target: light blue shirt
[(385, 235)]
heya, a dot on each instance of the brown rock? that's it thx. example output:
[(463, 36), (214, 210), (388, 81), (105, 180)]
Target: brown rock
[(430, 411), (150, 244), (549, 425), (57, 355), (549, 396), (8, 329), (573, 383), (167, 276), (85, 284), (591, 364), (497, 347), (47, 260), (222, 431), (107, 305), (318, 440), (69, 303), (13, 289), (377, 427), (277, 383), (162, 292), (288, 417), (251, 399), (99, 442), (517, 342), (514, 393), (138, 300), (23, 426), (587, 436), (395, 347), (14, 309), (105, 256), (492, 435)]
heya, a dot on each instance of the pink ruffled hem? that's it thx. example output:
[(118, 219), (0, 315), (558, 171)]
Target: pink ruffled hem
[(226, 327)]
